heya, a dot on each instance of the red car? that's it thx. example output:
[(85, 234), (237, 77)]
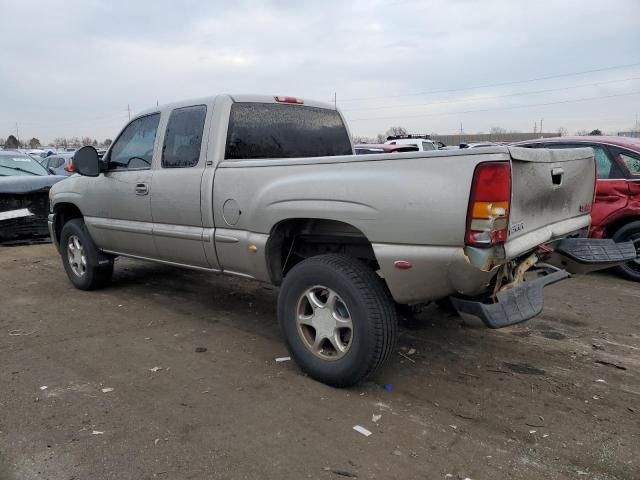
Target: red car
[(616, 211)]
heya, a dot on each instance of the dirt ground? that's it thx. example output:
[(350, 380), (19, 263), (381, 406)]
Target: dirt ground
[(109, 385)]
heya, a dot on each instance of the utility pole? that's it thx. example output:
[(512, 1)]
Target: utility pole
[(335, 100), (17, 133), (541, 127), (535, 127), (129, 111)]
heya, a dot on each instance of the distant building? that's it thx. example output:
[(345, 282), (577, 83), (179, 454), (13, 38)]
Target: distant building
[(633, 134), (490, 137)]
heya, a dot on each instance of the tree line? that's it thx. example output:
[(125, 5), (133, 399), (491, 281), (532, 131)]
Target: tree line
[(59, 143)]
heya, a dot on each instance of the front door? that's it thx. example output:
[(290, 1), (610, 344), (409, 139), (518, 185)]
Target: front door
[(119, 217)]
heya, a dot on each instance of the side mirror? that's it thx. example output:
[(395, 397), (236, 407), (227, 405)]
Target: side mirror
[(86, 161)]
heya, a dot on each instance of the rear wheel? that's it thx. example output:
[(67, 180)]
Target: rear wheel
[(86, 268), (630, 232), (338, 318)]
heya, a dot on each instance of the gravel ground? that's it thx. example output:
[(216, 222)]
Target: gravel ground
[(110, 385)]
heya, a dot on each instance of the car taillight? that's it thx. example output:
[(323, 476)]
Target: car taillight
[(69, 167), (488, 213)]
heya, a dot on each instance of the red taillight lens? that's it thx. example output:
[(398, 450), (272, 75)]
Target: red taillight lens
[(69, 167), (488, 213)]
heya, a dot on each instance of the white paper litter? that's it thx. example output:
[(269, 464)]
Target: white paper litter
[(600, 380), (283, 359), (375, 418), (107, 390), (155, 369), (44, 387), (362, 430), (97, 432)]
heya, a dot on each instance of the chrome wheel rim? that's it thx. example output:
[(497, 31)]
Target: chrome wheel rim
[(76, 256), (324, 323)]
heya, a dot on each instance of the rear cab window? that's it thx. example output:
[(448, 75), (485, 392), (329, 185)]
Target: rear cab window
[(265, 130), (183, 139)]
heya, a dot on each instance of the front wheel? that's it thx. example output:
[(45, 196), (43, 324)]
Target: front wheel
[(630, 232), (338, 319), (86, 268)]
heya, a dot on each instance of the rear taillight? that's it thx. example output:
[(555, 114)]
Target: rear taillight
[(488, 213), (68, 167)]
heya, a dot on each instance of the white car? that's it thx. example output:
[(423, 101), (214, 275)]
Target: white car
[(423, 144)]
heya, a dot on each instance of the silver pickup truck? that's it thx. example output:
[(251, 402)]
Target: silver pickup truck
[(268, 188)]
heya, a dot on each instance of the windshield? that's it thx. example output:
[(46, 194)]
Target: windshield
[(13, 164)]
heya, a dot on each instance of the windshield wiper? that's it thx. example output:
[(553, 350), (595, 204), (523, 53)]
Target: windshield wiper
[(20, 170)]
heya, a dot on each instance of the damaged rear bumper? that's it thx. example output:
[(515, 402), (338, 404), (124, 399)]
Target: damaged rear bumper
[(524, 299), (513, 306)]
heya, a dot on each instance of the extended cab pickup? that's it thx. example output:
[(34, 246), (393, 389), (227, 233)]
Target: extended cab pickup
[(268, 188)]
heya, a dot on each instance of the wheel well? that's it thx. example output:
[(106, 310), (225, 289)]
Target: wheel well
[(613, 227), (64, 212), (294, 240)]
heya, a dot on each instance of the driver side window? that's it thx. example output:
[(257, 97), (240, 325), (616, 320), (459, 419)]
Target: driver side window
[(133, 150)]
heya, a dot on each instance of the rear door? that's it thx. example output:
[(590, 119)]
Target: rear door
[(176, 193)]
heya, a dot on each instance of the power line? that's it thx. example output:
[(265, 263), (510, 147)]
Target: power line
[(487, 85), (493, 97), (496, 109)]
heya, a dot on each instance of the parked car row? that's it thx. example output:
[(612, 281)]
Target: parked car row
[(24, 197)]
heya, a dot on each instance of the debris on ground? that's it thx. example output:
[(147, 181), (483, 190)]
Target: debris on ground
[(97, 432), (404, 355), (610, 364), (201, 349), (44, 387), (342, 473), (411, 351), (375, 418), (600, 380), (597, 346), (362, 430), (155, 369), (524, 368), (19, 332), (283, 359), (107, 390), (388, 387), (397, 453)]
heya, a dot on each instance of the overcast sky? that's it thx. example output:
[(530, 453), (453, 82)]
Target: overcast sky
[(70, 68)]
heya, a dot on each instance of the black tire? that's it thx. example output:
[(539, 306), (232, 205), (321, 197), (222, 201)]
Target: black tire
[(369, 306), (631, 231), (99, 268)]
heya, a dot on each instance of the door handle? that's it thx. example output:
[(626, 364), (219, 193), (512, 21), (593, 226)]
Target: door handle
[(556, 175), (142, 189)]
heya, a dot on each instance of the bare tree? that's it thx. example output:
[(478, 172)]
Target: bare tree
[(497, 130), (34, 143), (362, 139), (1, 142), (596, 131), (107, 143), (562, 132), (396, 131), (86, 141), (60, 142), (380, 138)]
